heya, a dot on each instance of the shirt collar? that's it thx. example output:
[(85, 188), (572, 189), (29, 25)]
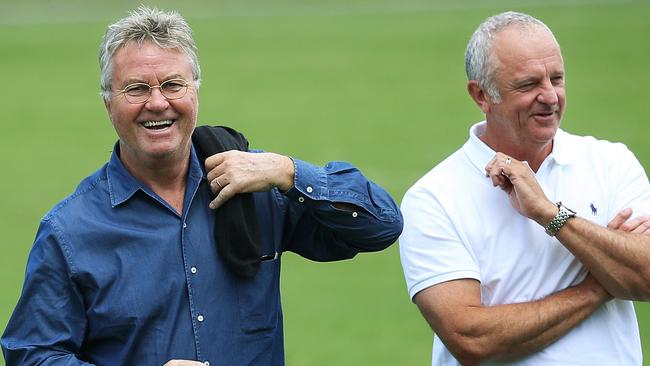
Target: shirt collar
[(480, 154), (563, 150), (122, 185)]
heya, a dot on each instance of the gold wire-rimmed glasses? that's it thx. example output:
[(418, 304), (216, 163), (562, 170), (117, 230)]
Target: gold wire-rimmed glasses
[(138, 93)]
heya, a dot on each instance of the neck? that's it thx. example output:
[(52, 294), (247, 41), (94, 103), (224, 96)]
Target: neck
[(532, 153), (166, 176)]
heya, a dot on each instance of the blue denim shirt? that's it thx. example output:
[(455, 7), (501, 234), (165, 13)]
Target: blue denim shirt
[(117, 277)]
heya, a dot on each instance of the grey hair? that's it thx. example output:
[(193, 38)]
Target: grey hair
[(480, 64), (165, 29)]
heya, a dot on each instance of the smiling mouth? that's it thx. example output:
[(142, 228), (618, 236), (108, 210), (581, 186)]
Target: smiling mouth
[(157, 125), (545, 114)]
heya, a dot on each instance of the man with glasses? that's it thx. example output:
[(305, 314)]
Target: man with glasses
[(132, 269)]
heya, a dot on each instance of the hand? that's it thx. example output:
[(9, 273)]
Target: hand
[(518, 181), (234, 171), (183, 363), (639, 225)]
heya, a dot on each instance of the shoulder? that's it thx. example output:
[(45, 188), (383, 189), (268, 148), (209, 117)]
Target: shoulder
[(444, 178), (612, 161), (591, 146), (78, 201), (592, 158)]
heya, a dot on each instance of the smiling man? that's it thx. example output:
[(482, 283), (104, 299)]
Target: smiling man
[(147, 263), (540, 271)]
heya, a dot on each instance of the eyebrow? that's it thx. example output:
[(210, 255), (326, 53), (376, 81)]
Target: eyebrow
[(134, 80), (523, 81)]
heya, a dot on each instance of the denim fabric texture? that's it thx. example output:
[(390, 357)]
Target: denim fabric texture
[(117, 277)]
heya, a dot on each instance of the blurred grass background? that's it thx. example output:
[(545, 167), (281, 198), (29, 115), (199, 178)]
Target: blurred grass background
[(379, 83)]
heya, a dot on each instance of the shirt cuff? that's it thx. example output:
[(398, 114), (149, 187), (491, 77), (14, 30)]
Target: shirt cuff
[(309, 184)]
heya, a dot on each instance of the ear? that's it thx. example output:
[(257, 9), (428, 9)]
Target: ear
[(480, 97), (107, 104)]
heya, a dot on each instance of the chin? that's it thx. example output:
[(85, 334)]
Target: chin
[(162, 150), (545, 135)]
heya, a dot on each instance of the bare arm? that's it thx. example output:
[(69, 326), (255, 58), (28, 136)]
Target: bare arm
[(474, 333), (618, 259)]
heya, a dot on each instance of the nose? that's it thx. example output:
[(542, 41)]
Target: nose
[(157, 102), (548, 94)]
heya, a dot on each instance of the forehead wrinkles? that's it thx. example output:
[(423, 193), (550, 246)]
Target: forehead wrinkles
[(520, 48), (149, 63)]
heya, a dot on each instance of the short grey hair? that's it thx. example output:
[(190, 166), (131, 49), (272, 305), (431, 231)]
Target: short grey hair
[(480, 64), (165, 29)]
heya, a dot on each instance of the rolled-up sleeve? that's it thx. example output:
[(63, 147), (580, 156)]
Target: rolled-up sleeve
[(320, 231), (48, 324)]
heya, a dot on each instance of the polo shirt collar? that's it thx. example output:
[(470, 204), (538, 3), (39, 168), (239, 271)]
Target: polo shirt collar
[(122, 185), (480, 154), (563, 150)]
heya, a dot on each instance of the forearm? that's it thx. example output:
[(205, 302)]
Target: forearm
[(474, 334), (619, 260), (558, 314), (616, 258)]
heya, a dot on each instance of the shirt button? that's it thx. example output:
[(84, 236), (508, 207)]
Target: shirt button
[(310, 189), (206, 363), (184, 225), (301, 199), (199, 318), (193, 269), (354, 214)]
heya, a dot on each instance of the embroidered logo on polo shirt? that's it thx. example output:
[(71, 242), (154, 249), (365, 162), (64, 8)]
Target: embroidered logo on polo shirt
[(594, 210)]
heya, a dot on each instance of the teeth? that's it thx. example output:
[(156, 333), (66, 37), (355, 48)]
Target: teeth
[(157, 123)]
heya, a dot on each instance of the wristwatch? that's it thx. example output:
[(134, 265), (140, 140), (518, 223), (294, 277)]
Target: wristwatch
[(560, 219)]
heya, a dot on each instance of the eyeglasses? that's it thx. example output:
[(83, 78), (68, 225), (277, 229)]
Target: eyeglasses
[(138, 93)]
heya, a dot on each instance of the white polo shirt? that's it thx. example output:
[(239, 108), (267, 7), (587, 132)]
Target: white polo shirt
[(457, 225)]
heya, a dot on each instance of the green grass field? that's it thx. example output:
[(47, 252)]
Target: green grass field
[(377, 83)]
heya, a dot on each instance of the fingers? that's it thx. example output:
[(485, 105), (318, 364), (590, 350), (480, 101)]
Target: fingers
[(620, 218), (639, 225), (499, 170), (218, 183), (234, 172), (215, 164), (222, 189), (224, 195), (214, 160)]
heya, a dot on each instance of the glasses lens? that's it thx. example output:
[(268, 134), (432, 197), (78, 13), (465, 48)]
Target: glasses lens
[(137, 93), (173, 88)]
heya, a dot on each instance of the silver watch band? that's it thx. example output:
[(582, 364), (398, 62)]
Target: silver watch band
[(560, 219)]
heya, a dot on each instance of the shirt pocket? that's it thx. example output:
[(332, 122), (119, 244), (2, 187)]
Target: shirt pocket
[(259, 297)]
